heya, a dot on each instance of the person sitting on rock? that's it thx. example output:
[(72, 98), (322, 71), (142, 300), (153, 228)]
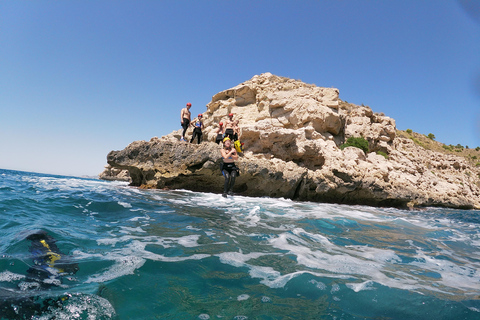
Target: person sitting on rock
[(229, 125), (229, 169), (185, 115), (198, 126), (220, 133)]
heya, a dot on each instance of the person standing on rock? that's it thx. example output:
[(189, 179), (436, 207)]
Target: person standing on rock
[(185, 116), (198, 126), (220, 133), (236, 130), (229, 169), (229, 126)]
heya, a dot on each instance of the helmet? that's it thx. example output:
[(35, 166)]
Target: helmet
[(189, 104), (226, 139), (230, 114), (200, 115), (221, 124)]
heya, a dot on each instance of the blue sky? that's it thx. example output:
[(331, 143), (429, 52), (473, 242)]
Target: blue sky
[(81, 78)]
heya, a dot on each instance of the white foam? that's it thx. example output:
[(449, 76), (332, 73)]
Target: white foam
[(243, 297), (8, 276), (124, 204), (188, 241), (238, 259), (123, 266), (81, 306), (357, 287)]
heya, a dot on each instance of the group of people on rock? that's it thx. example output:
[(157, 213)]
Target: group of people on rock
[(197, 123), (227, 133), (228, 129)]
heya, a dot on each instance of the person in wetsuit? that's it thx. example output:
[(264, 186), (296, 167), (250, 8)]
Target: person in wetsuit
[(198, 126), (219, 137), (229, 169), (236, 130), (185, 116), (229, 127), (49, 263)]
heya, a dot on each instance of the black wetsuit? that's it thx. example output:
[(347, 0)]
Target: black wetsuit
[(48, 263), (197, 132), (229, 133), (219, 138), (230, 172), (185, 125)]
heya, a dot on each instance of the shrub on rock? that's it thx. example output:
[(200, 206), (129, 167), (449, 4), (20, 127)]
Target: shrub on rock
[(359, 142)]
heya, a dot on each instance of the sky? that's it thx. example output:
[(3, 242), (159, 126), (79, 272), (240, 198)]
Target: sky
[(80, 78)]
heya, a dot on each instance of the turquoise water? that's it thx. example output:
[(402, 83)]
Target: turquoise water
[(151, 254)]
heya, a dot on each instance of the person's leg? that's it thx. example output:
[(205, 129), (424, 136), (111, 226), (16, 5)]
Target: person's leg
[(199, 137), (184, 130), (193, 136), (227, 181), (185, 127), (233, 175)]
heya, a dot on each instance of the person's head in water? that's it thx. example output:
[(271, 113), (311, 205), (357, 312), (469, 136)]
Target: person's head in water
[(227, 143)]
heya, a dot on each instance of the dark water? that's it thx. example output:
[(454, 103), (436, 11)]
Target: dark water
[(185, 255)]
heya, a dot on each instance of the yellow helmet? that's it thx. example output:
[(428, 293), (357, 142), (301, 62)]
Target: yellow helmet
[(226, 138)]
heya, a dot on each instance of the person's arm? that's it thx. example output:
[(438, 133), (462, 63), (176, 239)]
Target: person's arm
[(233, 154), (224, 153), (181, 116)]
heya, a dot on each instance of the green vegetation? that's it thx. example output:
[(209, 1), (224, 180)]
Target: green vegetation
[(382, 154), (359, 142), (418, 142), (428, 142), (478, 164)]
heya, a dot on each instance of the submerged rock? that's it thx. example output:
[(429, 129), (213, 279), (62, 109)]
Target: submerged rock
[(292, 132)]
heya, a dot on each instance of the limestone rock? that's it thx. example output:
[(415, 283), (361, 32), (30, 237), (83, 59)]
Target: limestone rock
[(114, 174), (292, 132)]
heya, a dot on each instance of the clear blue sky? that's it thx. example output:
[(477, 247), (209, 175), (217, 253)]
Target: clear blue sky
[(81, 78)]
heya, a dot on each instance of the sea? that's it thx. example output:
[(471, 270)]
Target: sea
[(155, 254)]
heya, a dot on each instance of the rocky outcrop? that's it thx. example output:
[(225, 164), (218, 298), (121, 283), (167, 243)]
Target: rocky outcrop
[(292, 132), (113, 174)]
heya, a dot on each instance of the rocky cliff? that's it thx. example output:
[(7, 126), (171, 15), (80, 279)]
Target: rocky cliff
[(293, 132)]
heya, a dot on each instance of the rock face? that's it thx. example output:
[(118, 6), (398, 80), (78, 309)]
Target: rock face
[(292, 132), (114, 174)]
